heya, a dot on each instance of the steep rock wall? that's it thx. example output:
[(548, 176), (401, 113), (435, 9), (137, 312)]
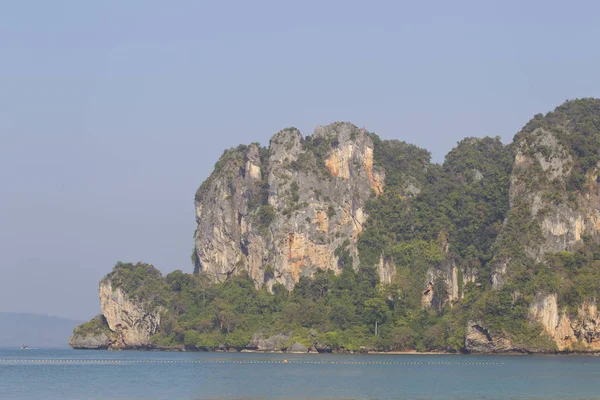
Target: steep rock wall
[(579, 332), (131, 322), (555, 207), (281, 214), (539, 184), (455, 277)]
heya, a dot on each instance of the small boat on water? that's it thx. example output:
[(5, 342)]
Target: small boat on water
[(24, 347)]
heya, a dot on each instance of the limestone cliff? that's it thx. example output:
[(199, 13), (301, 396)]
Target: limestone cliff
[(580, 332), (554, 209), (553, 188), (131, 322), (454, 276), (554, 214), (126, 322), (563, 224), (280, 213)]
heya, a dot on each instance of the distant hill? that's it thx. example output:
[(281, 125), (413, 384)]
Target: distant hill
[(35, 330)]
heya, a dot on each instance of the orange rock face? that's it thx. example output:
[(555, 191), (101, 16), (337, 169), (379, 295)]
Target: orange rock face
[(303, 252), (338, 161), (374, 177)]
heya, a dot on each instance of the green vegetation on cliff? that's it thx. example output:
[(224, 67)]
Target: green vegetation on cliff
[(576, 124), (456, 215), (341, 309), (560, 188), (336, 313), (453, 220), (333, 313), (95, 326)]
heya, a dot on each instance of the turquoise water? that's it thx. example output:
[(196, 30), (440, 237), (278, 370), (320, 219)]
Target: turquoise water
[(51, 374)]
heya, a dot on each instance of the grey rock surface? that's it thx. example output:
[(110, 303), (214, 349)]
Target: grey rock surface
[(281, 213), (297, 348), (276, 342), (478, 339), (96, 341)]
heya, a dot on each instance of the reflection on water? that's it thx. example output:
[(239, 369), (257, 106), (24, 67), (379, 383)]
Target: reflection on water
[(101, 375)]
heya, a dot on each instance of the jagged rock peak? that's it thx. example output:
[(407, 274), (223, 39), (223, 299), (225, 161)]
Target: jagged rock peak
[(280, 213), (286, 135), (286, 143), (337, 129)]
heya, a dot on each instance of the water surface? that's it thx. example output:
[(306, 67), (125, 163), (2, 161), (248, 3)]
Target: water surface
[(53, 374)]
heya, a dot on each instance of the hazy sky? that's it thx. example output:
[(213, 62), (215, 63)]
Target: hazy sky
[(113, 112)]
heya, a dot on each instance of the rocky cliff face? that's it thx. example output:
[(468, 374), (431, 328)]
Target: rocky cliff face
[(455, 276), (579, 332), (125, 323), (99, 341), (555, 207), (478, 339), (131, 322), (560, 216), (563, 224), (280, 213)]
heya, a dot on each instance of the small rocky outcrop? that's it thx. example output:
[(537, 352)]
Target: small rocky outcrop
[(296, 347), (478, 339), (99, 341), (125, 323), (94, 334), (274, 343)]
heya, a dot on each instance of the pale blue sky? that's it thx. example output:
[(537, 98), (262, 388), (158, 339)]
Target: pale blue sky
[(113, 112)]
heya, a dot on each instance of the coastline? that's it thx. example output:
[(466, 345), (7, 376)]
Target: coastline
[(403, 353)]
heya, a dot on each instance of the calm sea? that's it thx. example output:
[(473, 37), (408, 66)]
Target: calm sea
[(53, 374)]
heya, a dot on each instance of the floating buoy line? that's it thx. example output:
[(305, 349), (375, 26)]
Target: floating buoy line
[(209, 361)]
